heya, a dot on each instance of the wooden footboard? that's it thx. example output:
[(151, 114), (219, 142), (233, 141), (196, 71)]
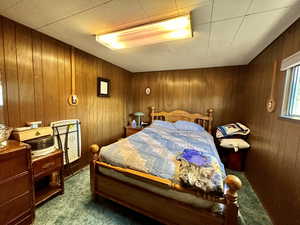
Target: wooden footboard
[(147, 203)]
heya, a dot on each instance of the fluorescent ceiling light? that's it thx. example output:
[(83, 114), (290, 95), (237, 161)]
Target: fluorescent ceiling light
[(167, 30)]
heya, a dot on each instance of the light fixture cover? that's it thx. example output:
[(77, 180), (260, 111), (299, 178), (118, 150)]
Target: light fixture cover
[(166, 30)]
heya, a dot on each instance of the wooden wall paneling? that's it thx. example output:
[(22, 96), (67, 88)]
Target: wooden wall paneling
[(11, 71), (3, 107), (37, 72), (99, 104), (63, 95), (275, 141), (106, 112), (113, 101), (38, 76), (191, 90), (82, 70), (25, 73), (198, 89), (125, 96), (71, 111), (50, 79), (120, 78), (92, 110)]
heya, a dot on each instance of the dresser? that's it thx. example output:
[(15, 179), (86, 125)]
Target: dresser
[(16, 184)]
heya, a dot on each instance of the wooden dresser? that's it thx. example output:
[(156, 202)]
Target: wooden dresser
[(16, 184)]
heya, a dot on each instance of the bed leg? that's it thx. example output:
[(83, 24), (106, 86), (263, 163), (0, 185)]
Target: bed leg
[(231, 195), (92, 178), (95, 156)]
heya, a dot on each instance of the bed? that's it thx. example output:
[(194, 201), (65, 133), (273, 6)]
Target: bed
[(120, 173)]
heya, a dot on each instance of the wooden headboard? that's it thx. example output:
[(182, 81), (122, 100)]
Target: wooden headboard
[(203, 120)]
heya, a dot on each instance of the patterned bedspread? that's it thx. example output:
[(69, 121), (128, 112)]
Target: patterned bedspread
[(154, 150)]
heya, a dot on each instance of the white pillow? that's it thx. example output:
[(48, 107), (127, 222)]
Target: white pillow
[(234, 143)]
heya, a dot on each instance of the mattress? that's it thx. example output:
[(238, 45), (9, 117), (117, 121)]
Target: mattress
[(155, 150), (169, 193)]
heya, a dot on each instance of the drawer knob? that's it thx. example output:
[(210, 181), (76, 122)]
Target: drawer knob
[(37, 133)]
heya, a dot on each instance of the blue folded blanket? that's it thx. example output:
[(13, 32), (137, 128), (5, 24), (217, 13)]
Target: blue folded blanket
[(231, 130)]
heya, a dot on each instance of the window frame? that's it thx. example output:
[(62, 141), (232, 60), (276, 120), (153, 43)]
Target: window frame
[(290, 83)]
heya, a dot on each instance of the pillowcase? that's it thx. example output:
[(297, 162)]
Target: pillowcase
[(234, 143), (188, 126), (164, 124)]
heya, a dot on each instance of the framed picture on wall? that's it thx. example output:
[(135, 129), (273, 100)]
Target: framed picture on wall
[(103, 87)]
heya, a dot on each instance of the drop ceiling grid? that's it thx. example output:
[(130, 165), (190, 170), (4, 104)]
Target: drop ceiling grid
[(219, 27)]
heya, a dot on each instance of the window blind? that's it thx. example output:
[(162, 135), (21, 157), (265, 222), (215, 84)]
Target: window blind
[(290, 61)]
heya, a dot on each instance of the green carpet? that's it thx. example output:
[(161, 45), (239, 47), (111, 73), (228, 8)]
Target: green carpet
[(76, 207)]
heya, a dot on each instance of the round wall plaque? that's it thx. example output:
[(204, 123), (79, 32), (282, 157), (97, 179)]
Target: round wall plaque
[(73, 100), (147, 91)]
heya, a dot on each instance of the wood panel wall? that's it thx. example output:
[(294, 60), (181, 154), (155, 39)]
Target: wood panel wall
[(35, 75), (192, 90), (273, 165)]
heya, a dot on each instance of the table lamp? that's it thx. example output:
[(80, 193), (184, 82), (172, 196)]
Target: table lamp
[(138, 117)]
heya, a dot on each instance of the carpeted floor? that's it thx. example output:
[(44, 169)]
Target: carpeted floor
[(76, 207)]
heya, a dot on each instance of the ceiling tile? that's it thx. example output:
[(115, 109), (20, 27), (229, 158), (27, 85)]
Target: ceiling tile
[(229, 9), (36, 13), (222, 34), (210, 46), (252, 38), (7, 4), (189, 3), (158, 7), (201, 14), (264, 5), (196, 45), (105, 18)]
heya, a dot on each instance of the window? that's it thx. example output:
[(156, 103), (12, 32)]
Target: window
[(291, 104)]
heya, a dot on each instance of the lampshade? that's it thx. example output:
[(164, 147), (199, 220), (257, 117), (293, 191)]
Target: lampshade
[(166, 30), (139, 114)]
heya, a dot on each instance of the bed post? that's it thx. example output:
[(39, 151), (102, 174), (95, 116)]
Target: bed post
[(152, 113), (232, 208), (210, 115), (95, 154)]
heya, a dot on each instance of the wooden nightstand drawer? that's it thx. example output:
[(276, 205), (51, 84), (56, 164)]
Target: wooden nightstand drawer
[(130, 130), (44, 165)]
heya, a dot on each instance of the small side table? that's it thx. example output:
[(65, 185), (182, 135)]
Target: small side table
[(129, 130), (48, 176), (234, 160)]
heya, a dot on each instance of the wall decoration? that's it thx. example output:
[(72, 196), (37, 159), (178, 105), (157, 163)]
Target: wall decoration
[(271, 103), (147, 91), (73, 98), (103, 87)]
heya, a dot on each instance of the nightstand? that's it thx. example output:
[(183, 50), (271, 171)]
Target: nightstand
[(48, 176), (233, 160), (129, 130)]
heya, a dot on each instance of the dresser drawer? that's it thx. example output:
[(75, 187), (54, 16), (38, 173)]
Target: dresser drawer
[(15, 208), (13, 164), (15, 186), (47, 164)]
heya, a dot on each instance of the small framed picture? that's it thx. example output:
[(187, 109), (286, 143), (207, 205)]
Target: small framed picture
[(103, 87)]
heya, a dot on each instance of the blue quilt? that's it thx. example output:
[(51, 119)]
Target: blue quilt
[(155, 150)]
